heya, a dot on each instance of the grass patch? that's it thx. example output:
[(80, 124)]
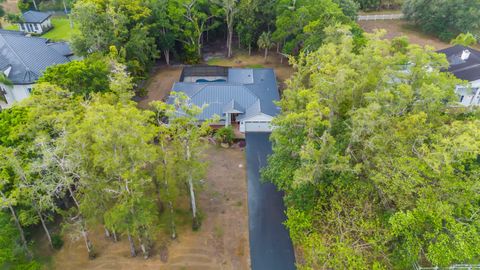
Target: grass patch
[(255, 66), (11, 27), (61, 30)]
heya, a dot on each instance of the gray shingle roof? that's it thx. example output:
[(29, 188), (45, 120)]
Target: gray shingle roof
[(32, 16), (28, 57), (468, 69), (249, 91)]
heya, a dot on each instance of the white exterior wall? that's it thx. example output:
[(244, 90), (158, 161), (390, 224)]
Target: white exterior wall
[(258, 123), (15, 93), (43, 27), (469, 96)]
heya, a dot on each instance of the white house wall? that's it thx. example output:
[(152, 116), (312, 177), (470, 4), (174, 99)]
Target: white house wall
[(469, 96), (259, 123), (15, 93)]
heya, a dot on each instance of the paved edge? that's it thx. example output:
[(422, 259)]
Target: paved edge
[(270, 243)]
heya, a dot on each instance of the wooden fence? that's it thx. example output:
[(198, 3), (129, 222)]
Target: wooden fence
[(380, 17)]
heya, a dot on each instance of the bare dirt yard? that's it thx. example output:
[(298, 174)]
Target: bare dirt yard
[(221, 243), (160, 83), (397, 28), (10, 6)]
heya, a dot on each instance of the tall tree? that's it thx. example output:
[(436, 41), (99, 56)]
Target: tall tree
[(378, 168), (230, 10), (187, 142), (265, 42), (444, 18)]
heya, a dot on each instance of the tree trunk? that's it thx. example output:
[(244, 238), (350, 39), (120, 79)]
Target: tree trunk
[(159, 203), (167, 56), (229, 41), (114, 236), (250, 49), (107, 233), (239, 42), (144, 248), (88, 243), (195, 224), (19, 228), (266, 54), (172, 221), (278, 47), (133, 253), (170, 203), (35, 4), (42, 220)]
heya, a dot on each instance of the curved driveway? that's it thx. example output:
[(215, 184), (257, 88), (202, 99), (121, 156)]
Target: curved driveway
[(270, 244)]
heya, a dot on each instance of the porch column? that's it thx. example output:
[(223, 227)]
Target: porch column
[(228, 120)]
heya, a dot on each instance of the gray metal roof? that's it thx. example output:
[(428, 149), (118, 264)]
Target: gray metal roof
[(28, 56), (247, 91), (233, 107), (465, 69), (32, 16)]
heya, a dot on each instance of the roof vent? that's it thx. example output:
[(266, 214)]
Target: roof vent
[(465, 55)]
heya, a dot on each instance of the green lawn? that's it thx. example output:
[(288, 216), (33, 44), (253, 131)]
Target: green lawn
[(11, 27), (61, 30)]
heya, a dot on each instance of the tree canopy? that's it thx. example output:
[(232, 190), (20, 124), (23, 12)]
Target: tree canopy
[(379, 168), (444, 18)]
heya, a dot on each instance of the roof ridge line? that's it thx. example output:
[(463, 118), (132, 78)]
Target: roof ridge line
[(15, 53)]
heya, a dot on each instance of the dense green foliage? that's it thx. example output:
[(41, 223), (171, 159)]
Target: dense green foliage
[(300, 25), (81, 77), (369, 5), (444, 18), (467, 39), (98, 163), (11, 255), (378, 169)]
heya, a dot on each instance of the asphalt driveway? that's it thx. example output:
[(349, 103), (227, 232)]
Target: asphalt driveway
[(270, 244)]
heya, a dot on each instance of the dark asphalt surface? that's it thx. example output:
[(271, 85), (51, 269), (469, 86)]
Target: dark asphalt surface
[(270, 245)]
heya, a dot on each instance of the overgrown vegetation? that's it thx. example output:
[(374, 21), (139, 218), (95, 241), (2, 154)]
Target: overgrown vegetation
[(446, 18), (378, 168)]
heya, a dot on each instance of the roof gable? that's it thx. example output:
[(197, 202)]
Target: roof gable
[(32, 16), (28, 57), (465, 69)]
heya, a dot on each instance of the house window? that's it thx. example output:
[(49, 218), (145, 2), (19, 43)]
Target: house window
[(461, 98), (21, 26), (35, 26), (29, 90)]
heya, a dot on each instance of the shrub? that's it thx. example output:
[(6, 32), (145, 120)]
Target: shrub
[(225, 135), (57, 241)]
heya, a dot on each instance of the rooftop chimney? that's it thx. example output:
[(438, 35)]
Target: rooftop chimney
[(465, 55)]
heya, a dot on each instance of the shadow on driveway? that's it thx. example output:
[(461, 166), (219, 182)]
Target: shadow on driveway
[(270, 245)]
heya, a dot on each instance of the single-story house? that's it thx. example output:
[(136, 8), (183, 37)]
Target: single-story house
[(35, 22), (23, 59), (465, 65), (241, 97)]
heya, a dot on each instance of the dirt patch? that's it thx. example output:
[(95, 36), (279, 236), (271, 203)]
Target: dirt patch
[(159, 84), (397, 28), (221, 242), (11, 6)]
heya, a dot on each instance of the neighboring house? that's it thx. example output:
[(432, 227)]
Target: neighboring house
[(23, 59), (244, 98), (465, 65), (35, 22)]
